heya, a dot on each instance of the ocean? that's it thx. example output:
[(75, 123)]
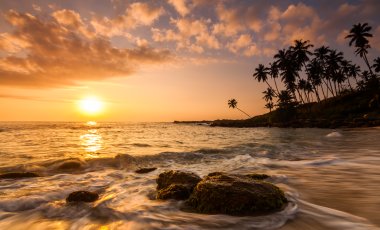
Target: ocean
[(330, 177)]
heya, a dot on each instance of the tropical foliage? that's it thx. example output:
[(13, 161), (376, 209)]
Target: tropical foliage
[(312, 76)]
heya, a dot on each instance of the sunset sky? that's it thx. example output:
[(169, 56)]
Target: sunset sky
[(157, 60)]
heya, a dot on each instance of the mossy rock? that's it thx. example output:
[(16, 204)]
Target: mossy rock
[(174, 191), (14, 175), (257, 176), (176, 184), (227, 193), (82, 196), (145, 170), (70, 165)]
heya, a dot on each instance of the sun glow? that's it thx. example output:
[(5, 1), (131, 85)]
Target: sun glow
[(91, 106)]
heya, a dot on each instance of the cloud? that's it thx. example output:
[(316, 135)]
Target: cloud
[(72, 19), (196, 49), (180, 6), (10, 96), (35, 7), (243, 41), (58, 55), (252, 50), (136, 14), (230, 21)]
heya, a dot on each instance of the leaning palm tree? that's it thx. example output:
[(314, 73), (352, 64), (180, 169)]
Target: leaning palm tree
[(233, 104), (261, 74), (354, 72), (376, 66), (359, 34)]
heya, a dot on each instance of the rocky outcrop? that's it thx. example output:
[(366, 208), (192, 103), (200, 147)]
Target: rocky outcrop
[(176, 184), (145, 170), (82, 196), (14, 175), (225, 193)]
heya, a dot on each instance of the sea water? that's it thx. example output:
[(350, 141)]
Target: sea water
[(330, 177)]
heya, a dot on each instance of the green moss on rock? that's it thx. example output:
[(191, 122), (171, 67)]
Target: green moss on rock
[(176, 184), (226, 193), (14, 175), (257, 176)]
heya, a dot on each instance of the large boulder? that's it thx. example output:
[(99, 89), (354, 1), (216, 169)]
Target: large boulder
[(14, 175), (176, 184), (224, 192), (82, 196)]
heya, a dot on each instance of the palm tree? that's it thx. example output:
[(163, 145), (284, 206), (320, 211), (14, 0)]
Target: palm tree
[(333, 64), (300, 51), (346, 70), (269, 106), (285, 98), (359, 34), (274, 72), (321, 54), (354, 72), (376, 66), (269, 94), (261, 74), (233, 104)]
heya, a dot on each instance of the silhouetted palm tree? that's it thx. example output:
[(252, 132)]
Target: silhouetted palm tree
[(333, 64), (233, 104), (376, 66), (359, 34), (261, 74), (300, 51), (274, 72), (321, 54), (354, 72), (346, 71), (269, 106), (268, 95)]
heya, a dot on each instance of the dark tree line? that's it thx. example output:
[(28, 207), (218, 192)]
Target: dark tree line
[(327, 72)]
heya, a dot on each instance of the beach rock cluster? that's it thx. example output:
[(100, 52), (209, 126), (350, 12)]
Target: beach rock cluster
[(309, 123), (176, 185), (221, 192), (15, 175)]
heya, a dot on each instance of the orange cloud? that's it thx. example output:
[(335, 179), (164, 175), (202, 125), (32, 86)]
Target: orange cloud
[(180, 6), (59, 55)]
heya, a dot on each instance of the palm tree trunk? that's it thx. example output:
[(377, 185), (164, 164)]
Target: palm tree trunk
[(243, 112), (366, 61), (271, 87), (348, 79), (278, 92), (316, 94)]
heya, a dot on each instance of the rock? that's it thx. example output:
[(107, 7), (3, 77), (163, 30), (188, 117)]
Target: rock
[(145, 170), (70, 165), (183, 180), (257, 176), (14, 175), (224, 192), (174, 191), (82, 196)]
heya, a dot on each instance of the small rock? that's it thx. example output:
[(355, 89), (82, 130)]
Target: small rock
[(145, 170), (14, 175), (83, 196), (224, 192), (181, 179)]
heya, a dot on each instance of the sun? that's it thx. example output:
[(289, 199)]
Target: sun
[(91, 106)]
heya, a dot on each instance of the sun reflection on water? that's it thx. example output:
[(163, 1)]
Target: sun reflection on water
[(91, 140)]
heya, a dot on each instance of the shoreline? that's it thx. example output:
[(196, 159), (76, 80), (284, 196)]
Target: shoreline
[(300, 123)]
